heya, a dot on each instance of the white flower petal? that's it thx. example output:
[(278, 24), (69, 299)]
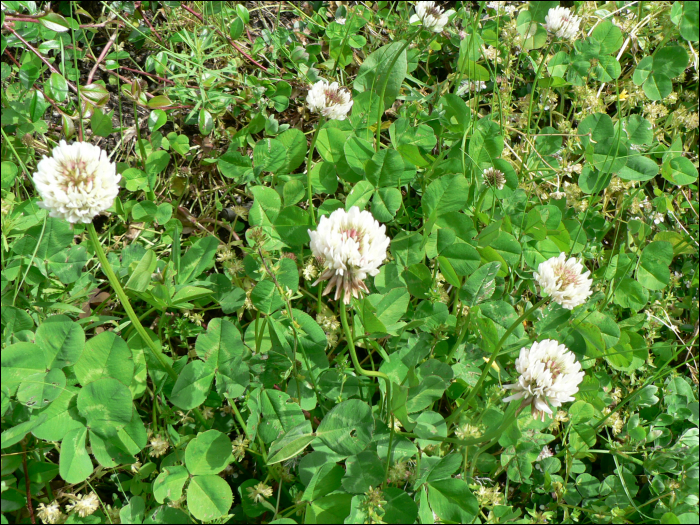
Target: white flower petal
[(549, 375), (77, 182), (352, 245)]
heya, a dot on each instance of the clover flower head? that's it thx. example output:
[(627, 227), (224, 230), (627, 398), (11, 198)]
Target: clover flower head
[(353, 245), (77, 182), (562, 23), (431, 16), (564, 280), (549, 375), (50, 513), (159, 446), (495, 178), (329, 100), (84, 505), (260, 492)]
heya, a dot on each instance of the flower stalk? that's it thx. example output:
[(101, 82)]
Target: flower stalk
[(124, 300), (310, 190)]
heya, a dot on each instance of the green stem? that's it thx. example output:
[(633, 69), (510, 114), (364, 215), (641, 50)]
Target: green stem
[(494, 355), (107, 269), (321, 121), (368, 373), (534, 85)]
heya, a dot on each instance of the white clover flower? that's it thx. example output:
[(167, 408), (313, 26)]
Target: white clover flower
[(564, 280), (159, 446), (431, 16), (549, 375), (84, 505), (562, 23), (260, 492), (353, 245), (77, 182), (340, 21), (495, 178), (472, 86), (49, 513), (658, 217), (545, 453), (329, 100)]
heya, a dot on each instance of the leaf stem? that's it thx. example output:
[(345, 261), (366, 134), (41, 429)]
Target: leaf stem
[(112, 277)]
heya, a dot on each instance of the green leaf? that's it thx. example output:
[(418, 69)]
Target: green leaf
[(596, 127), (134, 512), (653, 272), (38, 390), (385, 203), (142, 275), (399, 507), (59, 86), (658, 86), (266, 297), (61, 339), (463, 257), (639, 168), (670, 61), (360, 195), (430, 389), (333, 508), (169, 483), (689, 24), (21, 360), (609, 36), (208, 453), (157, 162), (293, 224), (280, 415), (209, 497), (47, 241), (362, 472), (384, 168), (680, 171), (630, 294), (291, 444), (444, 195), (325, 480), (270, 155), (481, 285), (639, 130), (357, 152), (101, 124), (105, 355), (206, 122), (106, 405), (74, 464), (199, 257), (451, 500), (15, 434), (533, 34), (192, 385), (347, 429), (233, 165), (61, 416), (383, 69)]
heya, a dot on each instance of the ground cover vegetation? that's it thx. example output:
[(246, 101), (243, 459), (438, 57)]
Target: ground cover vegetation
[(349, 262)]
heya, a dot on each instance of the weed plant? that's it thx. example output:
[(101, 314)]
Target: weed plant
[(174, 359)]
